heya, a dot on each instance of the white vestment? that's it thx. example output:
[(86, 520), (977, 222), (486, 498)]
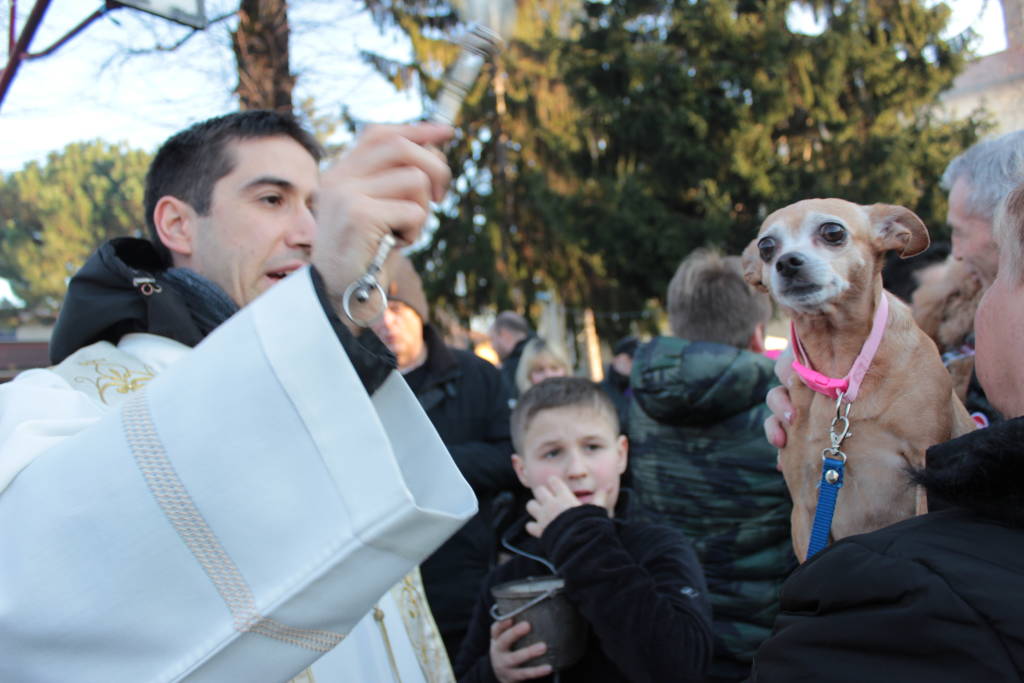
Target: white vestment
[(225, 514)]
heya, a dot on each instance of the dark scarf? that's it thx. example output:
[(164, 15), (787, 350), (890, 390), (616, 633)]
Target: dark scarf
[(208, 304)]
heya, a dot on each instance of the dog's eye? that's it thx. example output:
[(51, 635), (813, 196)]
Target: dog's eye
[(833, 233), (767, 248)]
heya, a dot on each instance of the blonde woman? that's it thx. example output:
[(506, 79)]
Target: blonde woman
[(540, 360)]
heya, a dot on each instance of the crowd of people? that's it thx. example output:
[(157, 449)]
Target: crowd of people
[(237, 470)]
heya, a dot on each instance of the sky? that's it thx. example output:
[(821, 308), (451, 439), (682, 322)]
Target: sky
[(91, 88)]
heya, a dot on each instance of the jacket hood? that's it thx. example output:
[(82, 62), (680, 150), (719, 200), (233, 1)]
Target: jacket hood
[(981, 471), (121, 289), (678, 382)]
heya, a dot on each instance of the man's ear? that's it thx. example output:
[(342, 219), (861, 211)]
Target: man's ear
[(175, 225), (623, 453), (520, 467), (752, 265), (897, 228)]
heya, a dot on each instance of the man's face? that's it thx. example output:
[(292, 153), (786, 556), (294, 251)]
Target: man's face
[(401, 330), (260, 226), (576, 444), (972, 235), (999, 329), (502, 341)]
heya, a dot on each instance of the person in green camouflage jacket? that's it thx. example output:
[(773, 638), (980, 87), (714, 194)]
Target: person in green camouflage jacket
[(700, 461)]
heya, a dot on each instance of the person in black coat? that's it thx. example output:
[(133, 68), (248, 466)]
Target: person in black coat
[(938, 597), (467, 402), (638, 585), (509, 335)]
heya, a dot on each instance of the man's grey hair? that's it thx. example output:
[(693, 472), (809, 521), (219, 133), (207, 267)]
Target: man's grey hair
[(513, 322), (1008, 231), (708, 300), (993, 168)]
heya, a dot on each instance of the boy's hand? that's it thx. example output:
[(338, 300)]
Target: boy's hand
[(551, 500), (507, 662)]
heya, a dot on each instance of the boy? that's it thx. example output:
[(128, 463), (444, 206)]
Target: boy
[(638, 585), (700, 461)]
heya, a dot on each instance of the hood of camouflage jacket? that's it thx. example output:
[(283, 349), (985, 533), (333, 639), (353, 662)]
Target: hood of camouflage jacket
[(681, 382)]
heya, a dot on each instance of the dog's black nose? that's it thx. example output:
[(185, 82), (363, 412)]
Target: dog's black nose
[(789, 265)]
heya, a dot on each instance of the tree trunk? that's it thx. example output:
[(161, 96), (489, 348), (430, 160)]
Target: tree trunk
[(265, 80)]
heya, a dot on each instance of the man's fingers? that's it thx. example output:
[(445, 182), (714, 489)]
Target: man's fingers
[(780, 405), (383, 151), (783, 368), (774, 432), (421, 133), (401, 182), (534, 529)]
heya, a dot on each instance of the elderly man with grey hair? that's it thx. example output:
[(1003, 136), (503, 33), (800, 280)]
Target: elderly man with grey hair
[(977, 181)]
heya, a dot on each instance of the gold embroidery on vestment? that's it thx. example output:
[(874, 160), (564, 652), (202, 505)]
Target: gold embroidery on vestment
[(115, 376)]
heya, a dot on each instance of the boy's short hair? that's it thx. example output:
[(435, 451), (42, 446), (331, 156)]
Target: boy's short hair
[(708, 300), (559, 392), (190, 163)]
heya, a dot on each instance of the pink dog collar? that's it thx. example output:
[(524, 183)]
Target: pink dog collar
[(849, 386)]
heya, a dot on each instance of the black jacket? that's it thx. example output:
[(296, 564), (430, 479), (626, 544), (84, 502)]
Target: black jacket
[(935, 598), (637, 584), (106, 301), (467, 402), (510, 365)]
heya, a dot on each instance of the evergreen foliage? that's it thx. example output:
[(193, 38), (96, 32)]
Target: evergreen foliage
[(612, 138), (54, 215)]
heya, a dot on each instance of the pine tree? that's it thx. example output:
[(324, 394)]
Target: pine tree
[(614, 137), (53, 215)]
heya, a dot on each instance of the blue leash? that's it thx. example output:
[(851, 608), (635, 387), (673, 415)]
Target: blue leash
[(828, 491), (833, 461)]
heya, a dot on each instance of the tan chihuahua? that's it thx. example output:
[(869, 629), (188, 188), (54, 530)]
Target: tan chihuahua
[(821, 259)]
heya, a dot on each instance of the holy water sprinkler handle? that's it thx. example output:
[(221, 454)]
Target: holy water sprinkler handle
[(478, 45)]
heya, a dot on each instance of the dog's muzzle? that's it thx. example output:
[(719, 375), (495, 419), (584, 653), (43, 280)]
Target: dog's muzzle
[(789, 265)]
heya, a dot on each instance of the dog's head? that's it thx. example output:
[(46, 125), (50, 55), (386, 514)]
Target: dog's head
[(810, 253)]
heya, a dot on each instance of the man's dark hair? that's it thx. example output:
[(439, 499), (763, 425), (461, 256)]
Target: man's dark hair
[(559, 392), (513, 322), (190, 163), (708, 300)]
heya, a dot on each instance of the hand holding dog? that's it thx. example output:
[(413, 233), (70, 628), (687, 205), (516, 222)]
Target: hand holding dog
[(778, 401)]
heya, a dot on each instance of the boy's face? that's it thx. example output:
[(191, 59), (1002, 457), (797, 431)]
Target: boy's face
[(578, 445)]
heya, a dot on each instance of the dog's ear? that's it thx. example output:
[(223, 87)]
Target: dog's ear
[(752, 264), (898, 228)]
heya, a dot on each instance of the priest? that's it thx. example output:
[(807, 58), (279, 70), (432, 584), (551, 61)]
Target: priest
[(222, 473)]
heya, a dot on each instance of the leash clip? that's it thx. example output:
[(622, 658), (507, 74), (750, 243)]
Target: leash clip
[(842, 420)]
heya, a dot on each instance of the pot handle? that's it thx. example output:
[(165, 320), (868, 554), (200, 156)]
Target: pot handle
[(497, 616)]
